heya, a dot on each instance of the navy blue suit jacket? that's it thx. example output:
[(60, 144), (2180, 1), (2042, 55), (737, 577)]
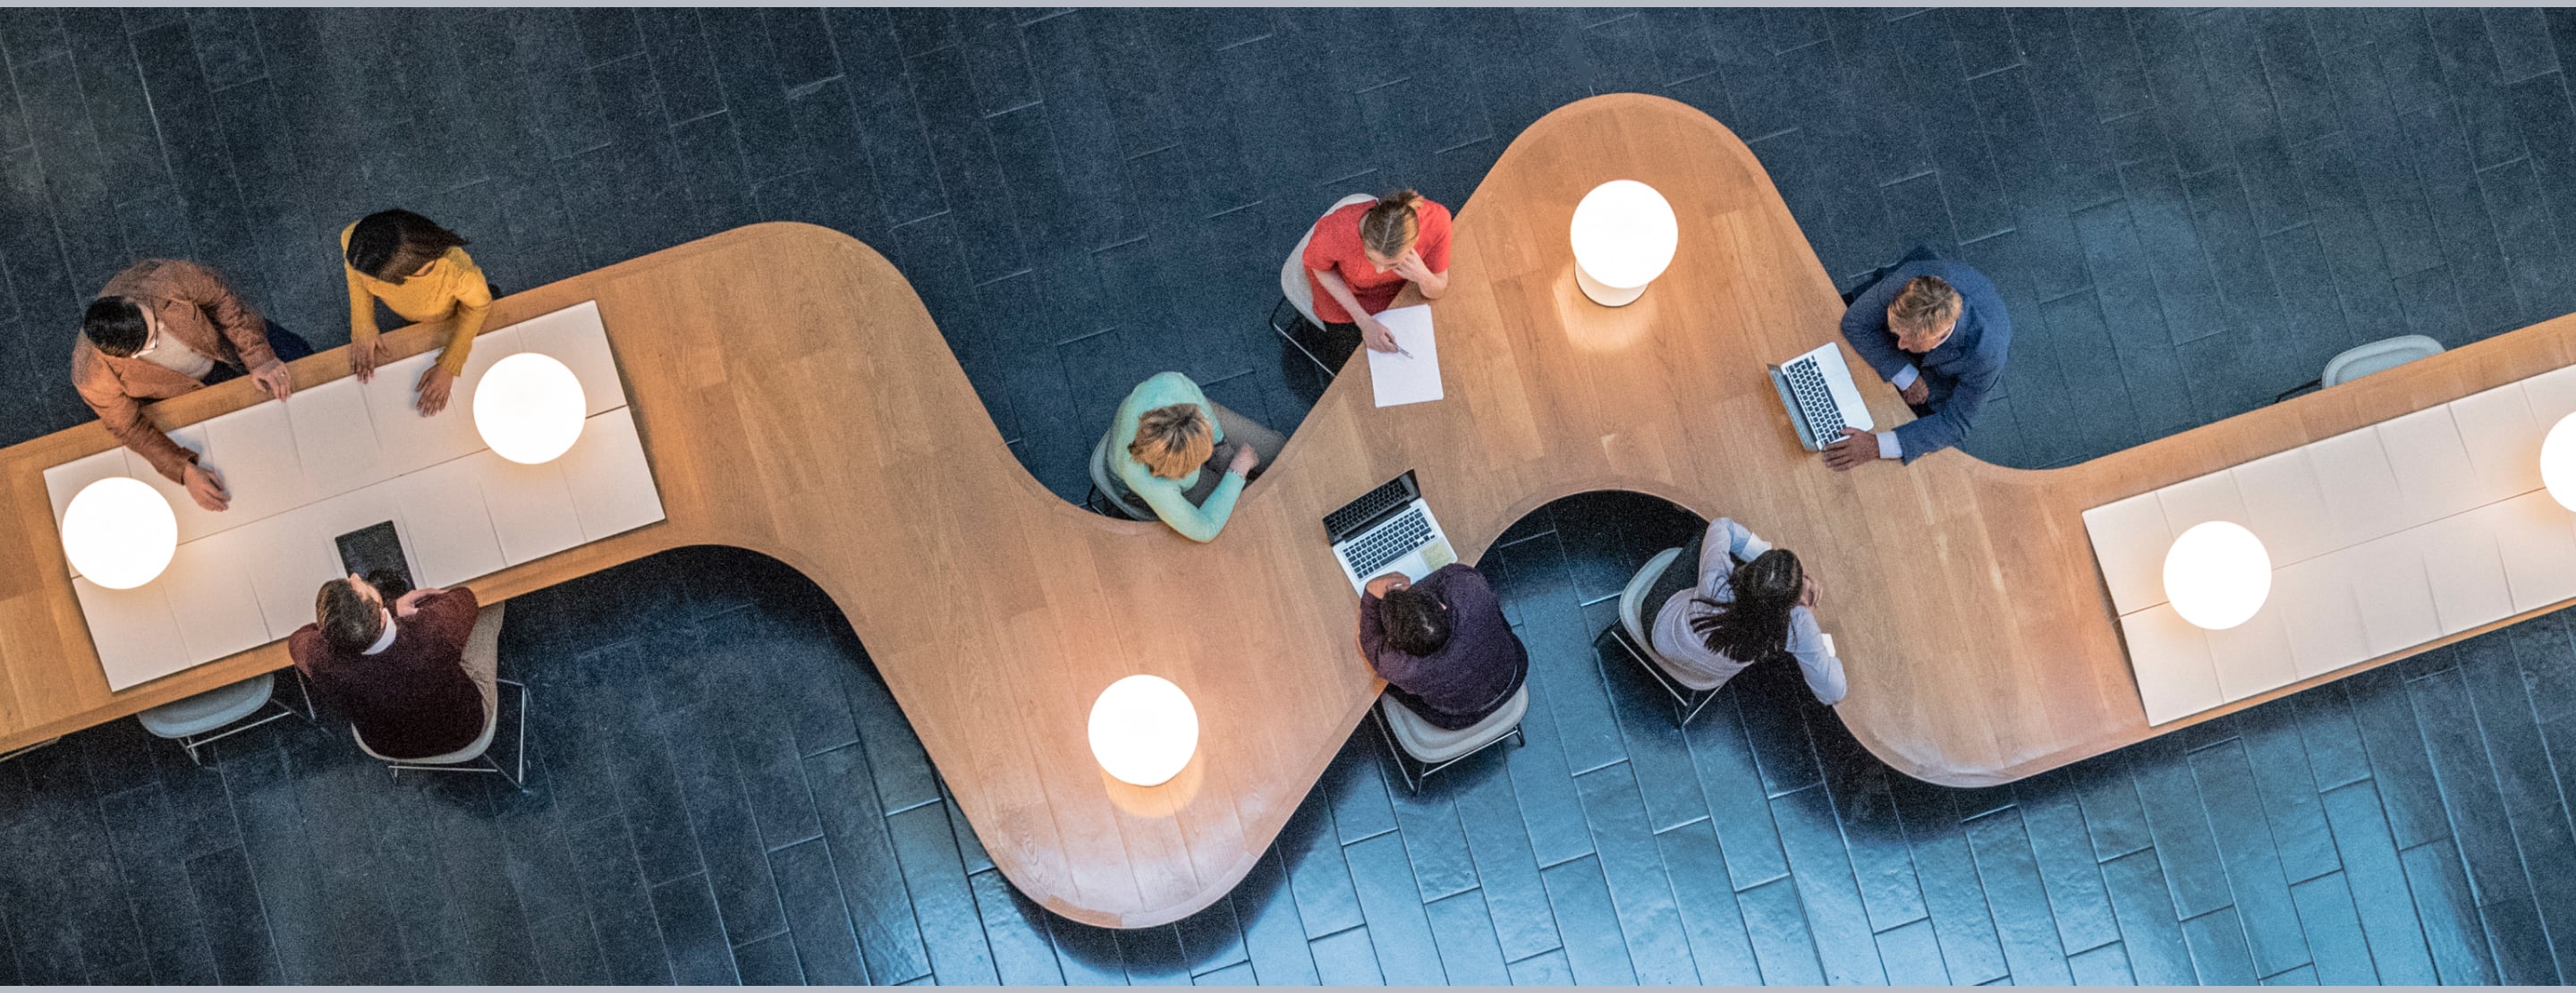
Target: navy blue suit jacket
[(1959, 373)]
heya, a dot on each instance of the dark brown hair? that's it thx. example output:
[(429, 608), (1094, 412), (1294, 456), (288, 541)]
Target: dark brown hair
[(1755, 626), (349, 621), (392, 244), (1415, 621), (1390, 225)]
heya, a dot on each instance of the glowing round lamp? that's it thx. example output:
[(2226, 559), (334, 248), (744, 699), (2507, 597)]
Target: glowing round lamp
[(2217, 575), (528, 408), (2558, 462), (1143, 730), (120, 532), (1624, 235)]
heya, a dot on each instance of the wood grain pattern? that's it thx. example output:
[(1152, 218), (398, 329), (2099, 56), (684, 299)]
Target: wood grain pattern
[(795, 399)]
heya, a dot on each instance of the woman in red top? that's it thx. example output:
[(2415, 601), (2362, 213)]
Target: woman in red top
[(1361, 256)]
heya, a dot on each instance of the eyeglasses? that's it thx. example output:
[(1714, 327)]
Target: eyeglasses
[(151, 340)]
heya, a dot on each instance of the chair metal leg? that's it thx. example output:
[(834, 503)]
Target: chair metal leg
[(2301, 388), (22, 750), (1282, 329), (1687, 702), (1402, 767), (191, 743)]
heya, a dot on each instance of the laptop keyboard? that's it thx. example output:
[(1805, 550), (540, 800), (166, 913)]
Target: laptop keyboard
[(1395, 539), (1815, 401), (1370, 504)]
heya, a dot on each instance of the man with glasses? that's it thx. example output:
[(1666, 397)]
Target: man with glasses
[(164, 327)]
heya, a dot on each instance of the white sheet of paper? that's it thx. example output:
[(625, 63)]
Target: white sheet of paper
[(334, 437), (611, 484), (532, 510), (194, 521), (2501, 436), (136, 638), (2171, 660), (253, 449), (443, 505), (210, 593), (285, 567), (575, 336), (1401, 378), (406, 440), (2129, 541), (2317, 608), (65, 481), (2539, 547)]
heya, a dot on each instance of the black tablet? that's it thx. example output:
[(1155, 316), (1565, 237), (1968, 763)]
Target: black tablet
[(376, 553)]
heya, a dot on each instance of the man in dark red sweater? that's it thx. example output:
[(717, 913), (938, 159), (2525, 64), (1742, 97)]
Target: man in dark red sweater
[(401, 673)]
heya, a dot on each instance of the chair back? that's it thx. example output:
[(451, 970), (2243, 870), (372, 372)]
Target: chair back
[(1293, 283), (1109, 486), (2377, 356)]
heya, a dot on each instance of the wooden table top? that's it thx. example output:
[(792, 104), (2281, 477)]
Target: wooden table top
[(795, 399)]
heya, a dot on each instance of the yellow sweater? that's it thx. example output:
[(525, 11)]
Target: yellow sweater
[(453, 286)]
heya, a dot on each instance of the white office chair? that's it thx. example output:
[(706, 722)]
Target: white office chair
[(1688, 692), (1298, 294), (210, 716), (2378, 356), (483, 643), (1409, 736), (1107, 498)]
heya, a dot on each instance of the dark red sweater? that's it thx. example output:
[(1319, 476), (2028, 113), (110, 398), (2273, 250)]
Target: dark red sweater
[(413, 700)]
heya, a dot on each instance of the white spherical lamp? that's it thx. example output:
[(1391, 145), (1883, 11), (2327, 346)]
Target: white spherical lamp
[(1143, 730), (2217, 575), (528, 408), (1624, 236), (2558, 462), (120, 532)]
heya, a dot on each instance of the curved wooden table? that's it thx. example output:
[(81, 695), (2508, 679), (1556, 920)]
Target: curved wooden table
[(795, 399)]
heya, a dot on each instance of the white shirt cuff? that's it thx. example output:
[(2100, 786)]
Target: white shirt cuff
[(1905, 377), (1887, 447)]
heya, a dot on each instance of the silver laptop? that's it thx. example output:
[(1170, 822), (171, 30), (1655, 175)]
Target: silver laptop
[(1388, 529), (1817, 388)]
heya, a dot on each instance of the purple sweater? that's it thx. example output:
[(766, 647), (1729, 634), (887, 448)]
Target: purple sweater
[(1468, 678)]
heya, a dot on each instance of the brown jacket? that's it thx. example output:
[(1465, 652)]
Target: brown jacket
[(198, 310)]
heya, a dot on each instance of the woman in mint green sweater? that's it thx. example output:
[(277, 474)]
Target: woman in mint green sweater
[(1166, 435)]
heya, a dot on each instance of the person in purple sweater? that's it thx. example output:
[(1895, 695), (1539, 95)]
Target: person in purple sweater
[(1442, 645), (398, 670)]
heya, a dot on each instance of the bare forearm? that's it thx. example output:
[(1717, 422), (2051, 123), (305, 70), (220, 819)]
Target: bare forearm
[(1432, 285), (1339, 291)]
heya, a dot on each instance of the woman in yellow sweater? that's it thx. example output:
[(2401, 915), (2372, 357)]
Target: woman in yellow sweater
[(421, 271)]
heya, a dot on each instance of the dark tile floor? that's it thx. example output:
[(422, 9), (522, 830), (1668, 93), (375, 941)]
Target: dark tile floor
[(2187, 211)]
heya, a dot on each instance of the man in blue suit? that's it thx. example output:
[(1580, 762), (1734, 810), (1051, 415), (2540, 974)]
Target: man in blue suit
[(1936, 331)]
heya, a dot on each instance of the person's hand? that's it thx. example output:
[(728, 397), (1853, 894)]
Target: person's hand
[(435, 382), (410, 602), (363, 359), (206, 488), (1245, 458), (274, 378), (1857, 446), (1917, 394), (1388, 583), (1813, 594), (1373, 334), (1409, 265)]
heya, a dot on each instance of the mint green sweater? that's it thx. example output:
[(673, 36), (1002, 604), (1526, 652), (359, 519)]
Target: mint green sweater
[(1198, 523)]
